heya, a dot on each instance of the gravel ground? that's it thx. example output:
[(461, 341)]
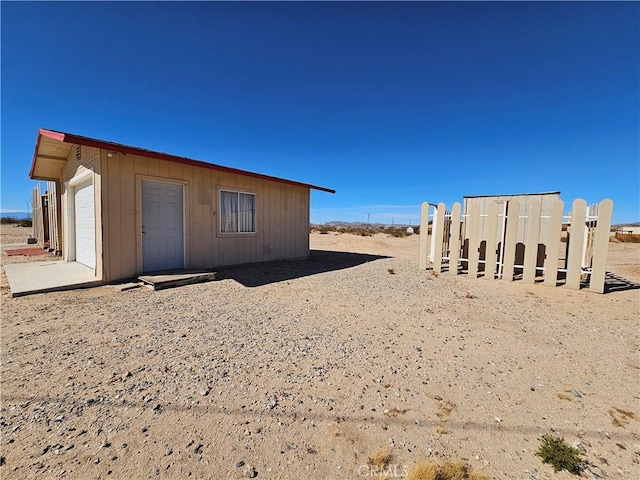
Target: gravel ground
[(305, 369)]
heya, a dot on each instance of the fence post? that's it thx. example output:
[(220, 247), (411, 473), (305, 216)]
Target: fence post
[(510, 240), (576, 241), (474, 240), (531, 242), (454, 244), (553, 244), (601, 246), (424, 233), (490, 251), (438, 231)]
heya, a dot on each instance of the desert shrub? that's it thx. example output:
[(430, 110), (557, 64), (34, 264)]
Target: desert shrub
[(396, 231), (561, 456), (447, 471), (380, 459)]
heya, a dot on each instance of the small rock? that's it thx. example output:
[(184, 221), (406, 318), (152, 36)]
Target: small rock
[(69, 447), (250, 472), (240, 464), (168, 452), (157, 408), (144, 429), (497, 419), (198, 449), (576, 393)]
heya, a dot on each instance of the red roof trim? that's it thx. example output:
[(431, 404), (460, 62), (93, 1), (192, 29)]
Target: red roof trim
[(118, 147)]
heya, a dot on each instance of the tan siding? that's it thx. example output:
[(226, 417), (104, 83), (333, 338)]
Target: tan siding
[(128, 212), (282, 228), (113, 216), (197, 217)]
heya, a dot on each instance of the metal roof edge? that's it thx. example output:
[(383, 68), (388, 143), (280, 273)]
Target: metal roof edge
[(512, 194)]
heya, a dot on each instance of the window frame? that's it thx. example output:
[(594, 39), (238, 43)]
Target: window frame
[(255, 211)]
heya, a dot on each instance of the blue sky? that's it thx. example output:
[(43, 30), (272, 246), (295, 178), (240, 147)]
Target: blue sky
[(391, 104)]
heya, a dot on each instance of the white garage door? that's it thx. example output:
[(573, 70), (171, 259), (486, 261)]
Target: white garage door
[(85, 225)]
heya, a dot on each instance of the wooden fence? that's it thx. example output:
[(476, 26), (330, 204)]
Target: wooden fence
[(553, 249), (45, 217)]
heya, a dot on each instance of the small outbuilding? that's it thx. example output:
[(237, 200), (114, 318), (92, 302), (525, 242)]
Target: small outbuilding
[(524, 200), (125, 210)]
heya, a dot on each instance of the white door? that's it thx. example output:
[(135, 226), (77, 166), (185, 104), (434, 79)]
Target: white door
[(162, 226), (85, 225)]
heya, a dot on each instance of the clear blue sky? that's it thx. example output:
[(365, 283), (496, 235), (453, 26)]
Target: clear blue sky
[(391, 104)]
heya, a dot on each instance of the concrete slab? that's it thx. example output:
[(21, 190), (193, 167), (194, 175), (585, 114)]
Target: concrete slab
[(41, 277), (9, 245), (168, 280)]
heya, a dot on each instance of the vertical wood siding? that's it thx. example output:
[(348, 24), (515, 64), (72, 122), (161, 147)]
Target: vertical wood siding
[(282, 218)]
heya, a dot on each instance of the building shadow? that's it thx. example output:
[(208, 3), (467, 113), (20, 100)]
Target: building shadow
[(616, 283), (319, 261)]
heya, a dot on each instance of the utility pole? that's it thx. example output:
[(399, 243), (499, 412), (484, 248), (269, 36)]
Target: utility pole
[(368, 215)]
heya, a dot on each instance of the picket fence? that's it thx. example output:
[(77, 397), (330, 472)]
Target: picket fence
[(553, 249), (45, 217)]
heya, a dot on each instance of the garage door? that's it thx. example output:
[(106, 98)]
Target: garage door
[(85, 224)]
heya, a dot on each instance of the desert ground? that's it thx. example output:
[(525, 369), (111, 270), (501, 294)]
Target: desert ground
[(306, 369)]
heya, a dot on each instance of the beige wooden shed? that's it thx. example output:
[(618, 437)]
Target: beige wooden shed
[(125, 210)]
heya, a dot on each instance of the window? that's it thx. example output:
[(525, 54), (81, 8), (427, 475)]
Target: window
[(237, 212)]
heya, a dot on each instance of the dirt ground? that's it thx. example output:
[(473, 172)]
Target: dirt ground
[(303, 370)]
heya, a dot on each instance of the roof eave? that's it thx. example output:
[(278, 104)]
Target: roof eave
[(92, 142)]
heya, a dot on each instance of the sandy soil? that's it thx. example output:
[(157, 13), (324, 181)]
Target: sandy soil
[(304, 369)]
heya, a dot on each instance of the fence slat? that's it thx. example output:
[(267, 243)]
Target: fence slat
[(492, 242), (601, 246), (531, 245), (576, 241), (510, 240), (53, 212), (454, 244), (424, 234), (438, 231), (553, 244), (474, 241)]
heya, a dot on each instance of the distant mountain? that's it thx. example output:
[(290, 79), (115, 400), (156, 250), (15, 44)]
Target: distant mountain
[(16, 215), (337, 223)]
